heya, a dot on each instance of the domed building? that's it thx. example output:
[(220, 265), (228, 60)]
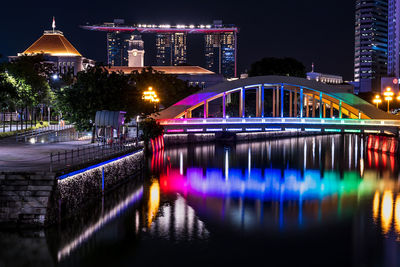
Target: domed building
[(58, 51)]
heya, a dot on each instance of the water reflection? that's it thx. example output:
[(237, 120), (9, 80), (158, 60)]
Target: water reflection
[(154, 201), (278, 198), (284, 184)]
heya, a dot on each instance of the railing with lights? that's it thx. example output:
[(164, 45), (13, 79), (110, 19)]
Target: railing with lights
[(264, 124)]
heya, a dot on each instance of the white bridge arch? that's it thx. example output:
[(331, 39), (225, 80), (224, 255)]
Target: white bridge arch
[(271, 97)]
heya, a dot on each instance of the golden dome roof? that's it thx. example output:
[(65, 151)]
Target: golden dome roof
[(53, 43)]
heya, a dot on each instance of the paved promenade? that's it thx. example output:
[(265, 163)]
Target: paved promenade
[(25, 156)]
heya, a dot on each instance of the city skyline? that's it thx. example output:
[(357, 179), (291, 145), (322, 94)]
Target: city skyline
[(329, 43)]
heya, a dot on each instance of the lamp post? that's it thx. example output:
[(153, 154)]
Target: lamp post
[(377, 100), (151, 96), (388, 97)]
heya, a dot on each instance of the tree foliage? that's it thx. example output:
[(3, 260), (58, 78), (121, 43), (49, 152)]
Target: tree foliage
[(96, 89), (150, 129), (24, 82), (169, 88), (278, 66)]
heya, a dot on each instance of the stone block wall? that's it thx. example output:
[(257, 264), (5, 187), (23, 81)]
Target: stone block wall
[(75, 190), (41, 198), (24, 197)]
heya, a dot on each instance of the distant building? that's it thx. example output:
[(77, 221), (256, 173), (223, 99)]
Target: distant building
[(58, 51), (171, 44), (324, 78), (194, 75), (136, 51), (371, 44), (171, 49)]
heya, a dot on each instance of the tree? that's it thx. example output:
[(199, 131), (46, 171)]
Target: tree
[(30, 75), (169, 88), (278, 66), (96, 89)]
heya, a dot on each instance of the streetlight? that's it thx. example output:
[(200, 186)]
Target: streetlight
[(388, 97), (377, 100), (151, 96)]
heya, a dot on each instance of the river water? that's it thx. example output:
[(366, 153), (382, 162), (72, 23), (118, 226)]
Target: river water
[(315, 201)]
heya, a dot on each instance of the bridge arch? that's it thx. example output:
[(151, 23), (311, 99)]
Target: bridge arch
[(273, 96)]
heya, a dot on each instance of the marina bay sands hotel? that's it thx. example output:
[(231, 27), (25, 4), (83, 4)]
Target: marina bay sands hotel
[(171, 44)]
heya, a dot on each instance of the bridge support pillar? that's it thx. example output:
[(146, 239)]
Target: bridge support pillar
[(301, 103), (321, 103), (262, 101), (273, 103), (282, 100), (295, 102), (313, 106), (224, 106), (307, 106), (331, 110), (242, 103), (340, 109), (290, 104), (205, 109), (277, 102)]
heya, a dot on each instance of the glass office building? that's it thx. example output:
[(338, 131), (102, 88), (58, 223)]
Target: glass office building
[(220, 53), (371, 43), (171, 49)]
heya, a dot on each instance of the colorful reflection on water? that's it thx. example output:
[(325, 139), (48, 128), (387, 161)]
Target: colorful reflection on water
[(275, 202), (281, 184)]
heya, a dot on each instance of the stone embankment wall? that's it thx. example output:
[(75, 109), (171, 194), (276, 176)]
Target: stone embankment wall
[(41, 198), (24, 197), (73, 191)]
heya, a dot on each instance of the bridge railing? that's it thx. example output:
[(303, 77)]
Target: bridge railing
[(208, 121)]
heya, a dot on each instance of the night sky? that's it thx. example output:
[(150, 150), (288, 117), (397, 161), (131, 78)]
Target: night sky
[(309, 30)]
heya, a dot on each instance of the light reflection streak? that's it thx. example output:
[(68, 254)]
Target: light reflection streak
[(85, 235), (387, 211), (397, 215), (333, 153), (375, 206), (226, 164), (154, 201)]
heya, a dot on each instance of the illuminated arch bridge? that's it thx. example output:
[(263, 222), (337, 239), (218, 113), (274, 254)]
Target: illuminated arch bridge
[(275, 103)]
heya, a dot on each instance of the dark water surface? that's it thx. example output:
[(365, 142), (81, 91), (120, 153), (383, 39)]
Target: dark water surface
[(316, 201)]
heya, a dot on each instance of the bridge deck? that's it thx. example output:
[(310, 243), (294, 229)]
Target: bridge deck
[(210, 125)]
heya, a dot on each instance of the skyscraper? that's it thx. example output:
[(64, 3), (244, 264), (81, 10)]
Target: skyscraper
[(117, 48), (371, 43), (171, 49), (394, 38), (171, 44), (220, 53)]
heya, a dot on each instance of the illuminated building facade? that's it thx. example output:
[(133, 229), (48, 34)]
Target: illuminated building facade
[(171, 49), (220, 51), (394, 38), (136, 51), (371, 43), (117, 48), (171, 44), (57, 50)]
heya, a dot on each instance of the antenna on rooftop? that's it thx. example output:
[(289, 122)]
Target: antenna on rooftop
[(312, 67)]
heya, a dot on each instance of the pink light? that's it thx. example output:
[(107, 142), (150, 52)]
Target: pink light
[(176, 131)]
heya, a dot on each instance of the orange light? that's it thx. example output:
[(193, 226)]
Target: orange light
[(387, 211), (375, 206), (154, 202)]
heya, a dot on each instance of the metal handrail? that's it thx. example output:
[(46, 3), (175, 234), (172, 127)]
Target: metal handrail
[(68, 158)]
